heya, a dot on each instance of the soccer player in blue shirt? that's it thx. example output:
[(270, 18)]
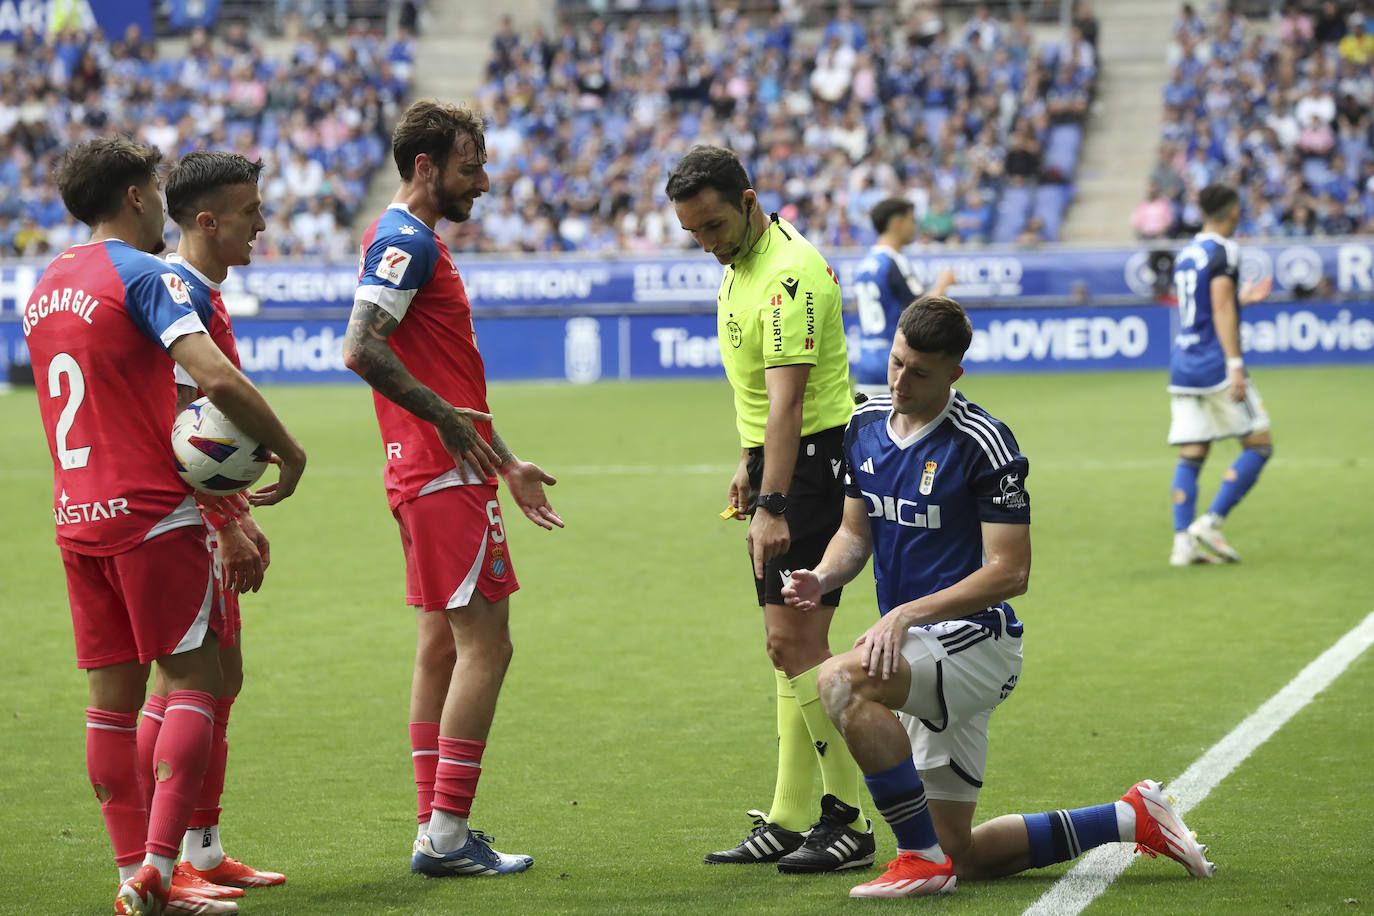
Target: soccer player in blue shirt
[(936, 493), (883, 286), (1212, 397)]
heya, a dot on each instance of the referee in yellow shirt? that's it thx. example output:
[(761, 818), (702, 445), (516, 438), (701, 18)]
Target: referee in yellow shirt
[(782, 345)]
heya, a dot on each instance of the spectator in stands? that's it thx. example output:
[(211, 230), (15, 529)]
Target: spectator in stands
[(1023, 152), (938, 112), (937, 223), (1330, 217), (1295, 27), (1330, 25), (1357, 46), (1154, 216), (833, 72), (1189, 25), (1165, 176), (1032, 234), (1316, 103), (1316, 139), (1282, 122), (1086, 21), (1301, 222), (973, 220), (845, 28)]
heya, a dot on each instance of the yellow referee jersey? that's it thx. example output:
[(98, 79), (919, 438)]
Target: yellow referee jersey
[(779, 305)]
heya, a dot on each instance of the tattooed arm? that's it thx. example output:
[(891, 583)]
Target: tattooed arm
[(367, 353)]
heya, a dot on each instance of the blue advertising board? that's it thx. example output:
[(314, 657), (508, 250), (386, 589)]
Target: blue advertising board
[(114, 16), (587, 348), (689, 278)]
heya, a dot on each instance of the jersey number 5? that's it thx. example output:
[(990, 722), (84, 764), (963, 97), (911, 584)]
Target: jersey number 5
[(872, 319), (498, 527), (63, 364)]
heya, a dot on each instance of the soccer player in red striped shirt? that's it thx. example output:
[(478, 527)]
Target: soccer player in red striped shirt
[(411, 338), (104, 325)]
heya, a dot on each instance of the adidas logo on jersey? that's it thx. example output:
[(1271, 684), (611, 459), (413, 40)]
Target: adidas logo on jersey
[(867, 466)]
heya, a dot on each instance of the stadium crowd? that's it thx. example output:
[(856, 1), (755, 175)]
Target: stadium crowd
[(978, 126), (1283, 113), (319, 117)]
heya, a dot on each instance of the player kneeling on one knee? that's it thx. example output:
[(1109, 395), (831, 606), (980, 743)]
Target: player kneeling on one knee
[(936, 495)]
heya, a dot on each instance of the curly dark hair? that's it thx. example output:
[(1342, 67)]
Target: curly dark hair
[(430, 126)]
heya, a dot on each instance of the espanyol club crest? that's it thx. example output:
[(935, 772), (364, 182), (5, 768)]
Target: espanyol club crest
[(928, 478), (498, 566)]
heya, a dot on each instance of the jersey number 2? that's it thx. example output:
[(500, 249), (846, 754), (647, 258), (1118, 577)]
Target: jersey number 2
[(63, 364)]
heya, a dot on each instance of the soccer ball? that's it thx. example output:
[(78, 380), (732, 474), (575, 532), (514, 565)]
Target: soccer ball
[(212, 454)]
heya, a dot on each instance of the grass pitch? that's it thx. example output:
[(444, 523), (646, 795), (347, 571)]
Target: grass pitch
[(636, 725)]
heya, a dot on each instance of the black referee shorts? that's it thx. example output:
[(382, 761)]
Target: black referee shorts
[(815, 508)]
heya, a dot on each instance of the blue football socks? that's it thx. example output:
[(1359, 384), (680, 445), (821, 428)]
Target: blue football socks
[(1240, 477), (1058, 836), (900, 797), (1185, 491)]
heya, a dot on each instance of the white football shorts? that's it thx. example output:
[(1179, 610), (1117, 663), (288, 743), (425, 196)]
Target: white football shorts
[(960, 672), (1212, 415)]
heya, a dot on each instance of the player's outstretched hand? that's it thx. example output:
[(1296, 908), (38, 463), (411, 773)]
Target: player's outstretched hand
[(526, 482), (882, 645), (1256, 290), (802, 590), (241, 565), (291, 470), (465, 445)]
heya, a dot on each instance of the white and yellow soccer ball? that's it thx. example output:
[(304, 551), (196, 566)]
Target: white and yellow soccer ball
[(212, 454)]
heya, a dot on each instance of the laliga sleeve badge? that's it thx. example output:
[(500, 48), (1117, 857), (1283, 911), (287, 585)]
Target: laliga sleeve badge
[(498, 567), (927, 478)]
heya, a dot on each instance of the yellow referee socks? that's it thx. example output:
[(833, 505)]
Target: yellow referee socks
[(794, 796), (839, 773)]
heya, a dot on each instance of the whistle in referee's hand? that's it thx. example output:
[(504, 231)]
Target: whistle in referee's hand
[(728, 513)]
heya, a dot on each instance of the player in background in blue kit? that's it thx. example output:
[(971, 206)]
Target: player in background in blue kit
[(883, 286), (936, 493), (1212, 396)]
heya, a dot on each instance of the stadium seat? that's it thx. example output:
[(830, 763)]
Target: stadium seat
[(1051, 200), (1013, 208)]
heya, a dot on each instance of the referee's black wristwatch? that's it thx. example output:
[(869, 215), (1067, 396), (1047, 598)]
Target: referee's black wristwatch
[(775, 503)]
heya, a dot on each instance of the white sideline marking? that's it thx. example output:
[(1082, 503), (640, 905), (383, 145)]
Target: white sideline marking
[(1100, 867)]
